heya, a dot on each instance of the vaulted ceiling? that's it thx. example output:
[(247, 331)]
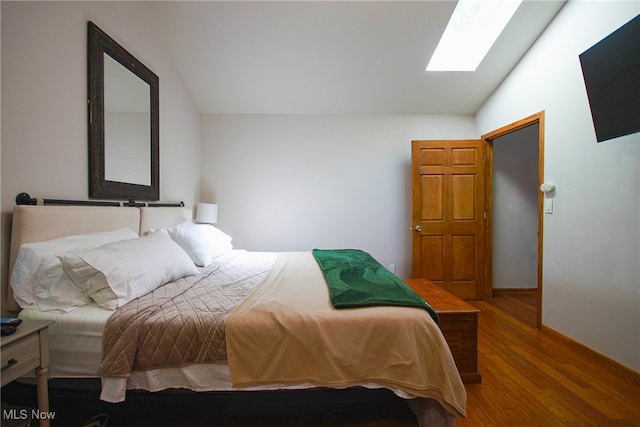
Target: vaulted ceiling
[(332, 57)]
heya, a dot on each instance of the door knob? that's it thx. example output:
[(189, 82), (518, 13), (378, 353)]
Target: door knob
[(418, 228)]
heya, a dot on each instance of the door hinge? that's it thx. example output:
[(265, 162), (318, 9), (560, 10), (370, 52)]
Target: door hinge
[(484, 214)]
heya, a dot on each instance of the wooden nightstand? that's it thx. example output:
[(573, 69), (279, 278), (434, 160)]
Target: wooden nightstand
[(458, 323), (23, 351)]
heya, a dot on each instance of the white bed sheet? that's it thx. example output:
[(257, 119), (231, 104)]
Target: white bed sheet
[(75, 340)]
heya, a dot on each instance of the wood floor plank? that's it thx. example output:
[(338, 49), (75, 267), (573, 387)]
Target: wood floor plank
[(531, 377)]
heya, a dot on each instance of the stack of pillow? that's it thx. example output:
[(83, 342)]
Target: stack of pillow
[(111, 268)]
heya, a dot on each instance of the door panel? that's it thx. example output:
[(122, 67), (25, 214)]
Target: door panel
[(432, 197), (432, 254), (463, 192), (448, 215)]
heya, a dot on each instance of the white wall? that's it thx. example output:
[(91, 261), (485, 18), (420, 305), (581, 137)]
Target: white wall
[(288, 182), (294, 182), (515, 210), (44, 102), (591, 277)]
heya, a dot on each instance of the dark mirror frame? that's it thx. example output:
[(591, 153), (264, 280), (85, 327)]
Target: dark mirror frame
[(100, 43)]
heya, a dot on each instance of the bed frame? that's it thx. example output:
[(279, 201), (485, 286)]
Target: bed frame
[(40, 223), (459, 320)]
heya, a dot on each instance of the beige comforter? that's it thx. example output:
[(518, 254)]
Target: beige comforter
[(280, 328), (287, 332)]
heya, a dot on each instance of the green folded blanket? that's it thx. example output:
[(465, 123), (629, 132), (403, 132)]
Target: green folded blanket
[(356, 279)]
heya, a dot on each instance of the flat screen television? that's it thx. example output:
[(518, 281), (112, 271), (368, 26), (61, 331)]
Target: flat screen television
[(611, 71)]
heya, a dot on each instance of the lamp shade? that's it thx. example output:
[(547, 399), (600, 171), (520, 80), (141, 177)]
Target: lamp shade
[(207, 213)]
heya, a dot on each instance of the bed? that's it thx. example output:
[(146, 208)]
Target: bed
[(245, 321)]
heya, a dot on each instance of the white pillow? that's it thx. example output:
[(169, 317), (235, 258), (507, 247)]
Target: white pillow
[(38, 277), (119, 272), (203, 242)]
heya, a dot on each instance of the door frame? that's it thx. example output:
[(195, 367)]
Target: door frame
[(537, 118)]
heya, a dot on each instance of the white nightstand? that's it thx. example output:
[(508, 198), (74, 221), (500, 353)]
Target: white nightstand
[(23, 351)]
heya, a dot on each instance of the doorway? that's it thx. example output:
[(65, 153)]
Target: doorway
[(521, 219)]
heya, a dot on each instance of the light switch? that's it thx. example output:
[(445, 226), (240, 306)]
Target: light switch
[(548, 206)]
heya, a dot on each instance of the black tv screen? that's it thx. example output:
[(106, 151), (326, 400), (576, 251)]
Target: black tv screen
[(611, 71)]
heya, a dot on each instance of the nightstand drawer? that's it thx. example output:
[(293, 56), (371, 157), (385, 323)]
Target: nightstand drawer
[(20, 357), (27, 349)]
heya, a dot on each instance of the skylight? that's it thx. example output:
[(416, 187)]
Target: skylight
[(473, 28)]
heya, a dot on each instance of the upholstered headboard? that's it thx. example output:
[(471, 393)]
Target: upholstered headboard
[(41, 223), (151, 218)]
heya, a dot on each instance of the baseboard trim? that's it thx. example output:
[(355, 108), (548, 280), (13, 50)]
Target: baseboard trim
[(594, 354), (499, 291)]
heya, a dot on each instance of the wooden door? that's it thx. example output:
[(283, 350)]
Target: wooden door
[(448, 215)]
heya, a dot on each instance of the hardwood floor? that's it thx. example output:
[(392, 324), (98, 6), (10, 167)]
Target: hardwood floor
[(533, 378), (530, 378)]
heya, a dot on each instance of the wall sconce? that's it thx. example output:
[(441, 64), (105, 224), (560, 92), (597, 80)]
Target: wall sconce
[(207, 213), (547, 188)]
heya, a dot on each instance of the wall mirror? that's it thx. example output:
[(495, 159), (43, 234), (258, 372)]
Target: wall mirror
[(123, 122)]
